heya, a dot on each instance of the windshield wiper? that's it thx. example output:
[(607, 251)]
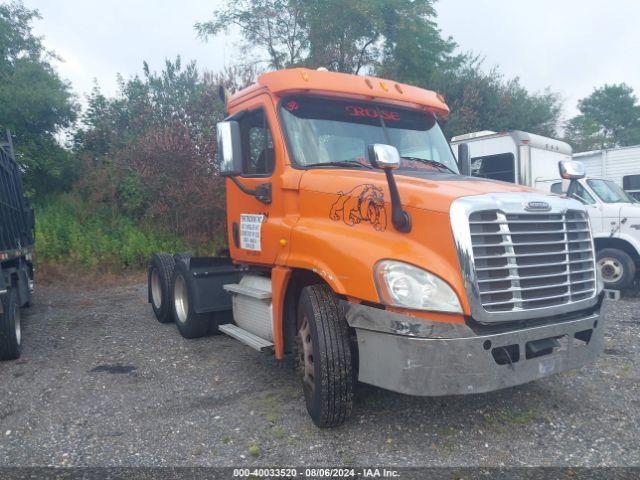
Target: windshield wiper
[(433, 163), (340, 163)]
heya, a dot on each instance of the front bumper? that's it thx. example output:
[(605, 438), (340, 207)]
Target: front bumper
[(418, 357)]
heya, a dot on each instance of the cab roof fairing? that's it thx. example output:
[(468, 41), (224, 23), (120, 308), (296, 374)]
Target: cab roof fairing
[(298, 80)]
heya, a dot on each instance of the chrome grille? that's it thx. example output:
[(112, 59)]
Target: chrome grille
[(526, 261)]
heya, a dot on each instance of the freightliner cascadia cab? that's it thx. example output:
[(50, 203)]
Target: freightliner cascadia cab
[(362, 249)]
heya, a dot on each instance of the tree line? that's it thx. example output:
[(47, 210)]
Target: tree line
[(147, 152)]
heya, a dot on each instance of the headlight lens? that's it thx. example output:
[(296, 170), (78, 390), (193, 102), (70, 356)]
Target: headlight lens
[(403, 285)]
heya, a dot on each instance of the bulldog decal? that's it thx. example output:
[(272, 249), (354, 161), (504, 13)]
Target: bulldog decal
[(364, 203)]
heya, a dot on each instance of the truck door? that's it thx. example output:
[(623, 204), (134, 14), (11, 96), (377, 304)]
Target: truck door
[(578, 191), (254, 224)]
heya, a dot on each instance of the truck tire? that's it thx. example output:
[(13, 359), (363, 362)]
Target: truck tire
[(10, 327), (617, 268), (189, 323), (325, 362), (159, 277)]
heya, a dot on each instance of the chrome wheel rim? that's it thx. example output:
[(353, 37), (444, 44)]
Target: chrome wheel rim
[(17, 326), (305, 355), (181, 299), (611, 269), (156, 289)]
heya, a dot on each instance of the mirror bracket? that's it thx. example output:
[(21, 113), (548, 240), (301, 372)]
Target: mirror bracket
[(262, 192), (400, 218), (464, 159), (387, 158)]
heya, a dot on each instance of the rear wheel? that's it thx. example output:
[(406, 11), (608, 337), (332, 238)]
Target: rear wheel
[(159, 277), (190, 324), (325, 363), (10, 327), (616, 268)]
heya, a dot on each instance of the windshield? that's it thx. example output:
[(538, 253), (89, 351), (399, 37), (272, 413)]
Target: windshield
[(577, 191), (608, 191), (320, 131)]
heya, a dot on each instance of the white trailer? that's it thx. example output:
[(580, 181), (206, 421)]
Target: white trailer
[(514, 156), (622, 165), (533, 161)]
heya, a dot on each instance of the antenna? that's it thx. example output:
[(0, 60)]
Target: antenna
[(223, 93)]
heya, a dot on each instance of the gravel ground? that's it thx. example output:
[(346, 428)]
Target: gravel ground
[(102, 383)]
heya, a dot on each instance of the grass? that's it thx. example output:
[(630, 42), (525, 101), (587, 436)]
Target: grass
[(254, 450), (103, 239), (270, 406), (626, 370), (508, 419)]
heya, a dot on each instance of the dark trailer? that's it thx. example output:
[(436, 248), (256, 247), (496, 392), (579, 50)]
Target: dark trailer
[(16, 248)]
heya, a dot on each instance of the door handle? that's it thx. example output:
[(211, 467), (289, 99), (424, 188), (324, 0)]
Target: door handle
[(235, 232)]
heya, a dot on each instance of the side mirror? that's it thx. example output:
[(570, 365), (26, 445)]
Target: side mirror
[(384, 157), (387, 158), (229, 151), (464, 159), (571, 170)]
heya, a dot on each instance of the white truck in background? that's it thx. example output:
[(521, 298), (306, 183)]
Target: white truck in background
[(621, 165), (533, 160)]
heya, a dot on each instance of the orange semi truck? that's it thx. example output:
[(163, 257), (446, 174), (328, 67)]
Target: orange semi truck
[(361, 248)]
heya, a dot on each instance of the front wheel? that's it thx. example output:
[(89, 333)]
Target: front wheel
[(10, 327), (325, 361), (617, 269)]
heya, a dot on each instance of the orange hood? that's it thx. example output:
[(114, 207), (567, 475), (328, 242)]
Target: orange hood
[(424, 190)]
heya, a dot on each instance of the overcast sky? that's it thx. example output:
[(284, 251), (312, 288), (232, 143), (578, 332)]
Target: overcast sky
[(570, 46)]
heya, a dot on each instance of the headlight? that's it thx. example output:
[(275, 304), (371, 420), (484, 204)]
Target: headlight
[(403, 285)]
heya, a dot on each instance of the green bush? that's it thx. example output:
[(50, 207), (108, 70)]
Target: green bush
[(67, 234)]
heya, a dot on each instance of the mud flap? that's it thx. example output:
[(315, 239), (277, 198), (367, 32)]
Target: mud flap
[(209, 274)]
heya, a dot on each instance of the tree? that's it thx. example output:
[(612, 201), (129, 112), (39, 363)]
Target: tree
[(273, 27), (609, 117), (585, 134), (414, 50), (35, 104), (487, 101), (233, 78), (396, 39), (343, 35), (149, 152)]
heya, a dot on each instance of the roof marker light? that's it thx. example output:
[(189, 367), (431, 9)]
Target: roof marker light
[(368, 82), (398, 88), (305, 76), (384, 86)]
